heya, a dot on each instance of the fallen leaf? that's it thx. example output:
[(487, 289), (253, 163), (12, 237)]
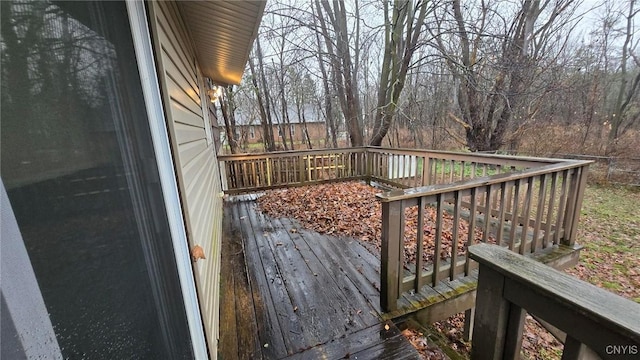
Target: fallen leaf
[(386, 326), (197, 252)]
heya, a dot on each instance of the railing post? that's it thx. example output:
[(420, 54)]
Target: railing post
[(498, 323), (369, 166), (392, 225), (224, 183)]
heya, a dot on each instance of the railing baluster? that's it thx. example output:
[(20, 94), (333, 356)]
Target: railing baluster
[(245, 178), (525, 215), (259, 172), (487, 213), (514, 215), (503, 208), (552, 199), (451, 170), (254, 174), (301, 169), (561, 205), (438, 240), (455, 232), (473, 202), (417, 175), (420, 245), (426, 171), (542, 193), (433, 175)]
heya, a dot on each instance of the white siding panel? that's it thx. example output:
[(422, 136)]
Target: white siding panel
[(176, 56), (193, 173), (176, 33), (185, 116), (173, 70), (190, 150), (196, 162), (182, 97), (188, 133)]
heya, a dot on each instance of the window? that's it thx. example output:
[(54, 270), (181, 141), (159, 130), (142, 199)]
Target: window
[(252, 132), (78, 164)]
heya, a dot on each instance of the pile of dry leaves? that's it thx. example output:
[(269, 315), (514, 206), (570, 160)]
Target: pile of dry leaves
[(351, 209)]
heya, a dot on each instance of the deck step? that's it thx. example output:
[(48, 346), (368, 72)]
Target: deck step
[(449, 297), (380, 341)]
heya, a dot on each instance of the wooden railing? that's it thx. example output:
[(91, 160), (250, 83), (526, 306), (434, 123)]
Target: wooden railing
[(522, 203), (525, 211), (405, 168), (398, 168), (509, 285), (256, 172)]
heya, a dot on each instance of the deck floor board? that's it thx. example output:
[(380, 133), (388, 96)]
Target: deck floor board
[(292, 293)]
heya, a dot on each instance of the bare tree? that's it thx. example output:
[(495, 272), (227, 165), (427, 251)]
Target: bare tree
[(621, 115), (401, 36), (262, 97), (228, 109), (495, 71), (344, 71)]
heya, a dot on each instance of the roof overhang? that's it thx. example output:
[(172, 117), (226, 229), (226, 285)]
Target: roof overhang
[(223, 32)]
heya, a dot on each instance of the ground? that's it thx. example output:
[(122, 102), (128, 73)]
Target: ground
[(609, 230)]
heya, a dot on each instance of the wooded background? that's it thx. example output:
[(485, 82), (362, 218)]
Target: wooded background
[(538, 76)]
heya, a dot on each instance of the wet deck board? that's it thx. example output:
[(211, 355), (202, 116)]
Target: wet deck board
[(291, 293)]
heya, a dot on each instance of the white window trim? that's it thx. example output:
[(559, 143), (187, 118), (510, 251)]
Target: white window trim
[(160, 138)]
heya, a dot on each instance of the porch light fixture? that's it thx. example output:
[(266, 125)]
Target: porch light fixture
[(214, 93)]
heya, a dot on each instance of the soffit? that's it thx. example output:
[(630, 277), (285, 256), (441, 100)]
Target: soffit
[(223, 33)]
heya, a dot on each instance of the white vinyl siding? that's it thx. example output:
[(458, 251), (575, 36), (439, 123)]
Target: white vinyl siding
[(194, 155)]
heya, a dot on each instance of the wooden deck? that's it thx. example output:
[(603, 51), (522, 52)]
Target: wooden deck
[(291, 293)]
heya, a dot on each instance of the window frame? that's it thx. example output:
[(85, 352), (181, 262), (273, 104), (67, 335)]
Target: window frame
[(153, 102)]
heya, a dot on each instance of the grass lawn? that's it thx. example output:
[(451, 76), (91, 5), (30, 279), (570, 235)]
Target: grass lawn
[(610, 232)]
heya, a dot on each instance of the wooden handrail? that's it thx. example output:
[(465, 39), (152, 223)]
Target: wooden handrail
[(510, 284), (496, 159), (403, 194), (288, 153)]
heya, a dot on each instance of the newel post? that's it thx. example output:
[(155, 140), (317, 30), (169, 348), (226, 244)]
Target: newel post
[(392, 218), (498, 323)]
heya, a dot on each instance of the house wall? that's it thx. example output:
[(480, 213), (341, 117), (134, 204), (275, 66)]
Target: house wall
[(194, 154)]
